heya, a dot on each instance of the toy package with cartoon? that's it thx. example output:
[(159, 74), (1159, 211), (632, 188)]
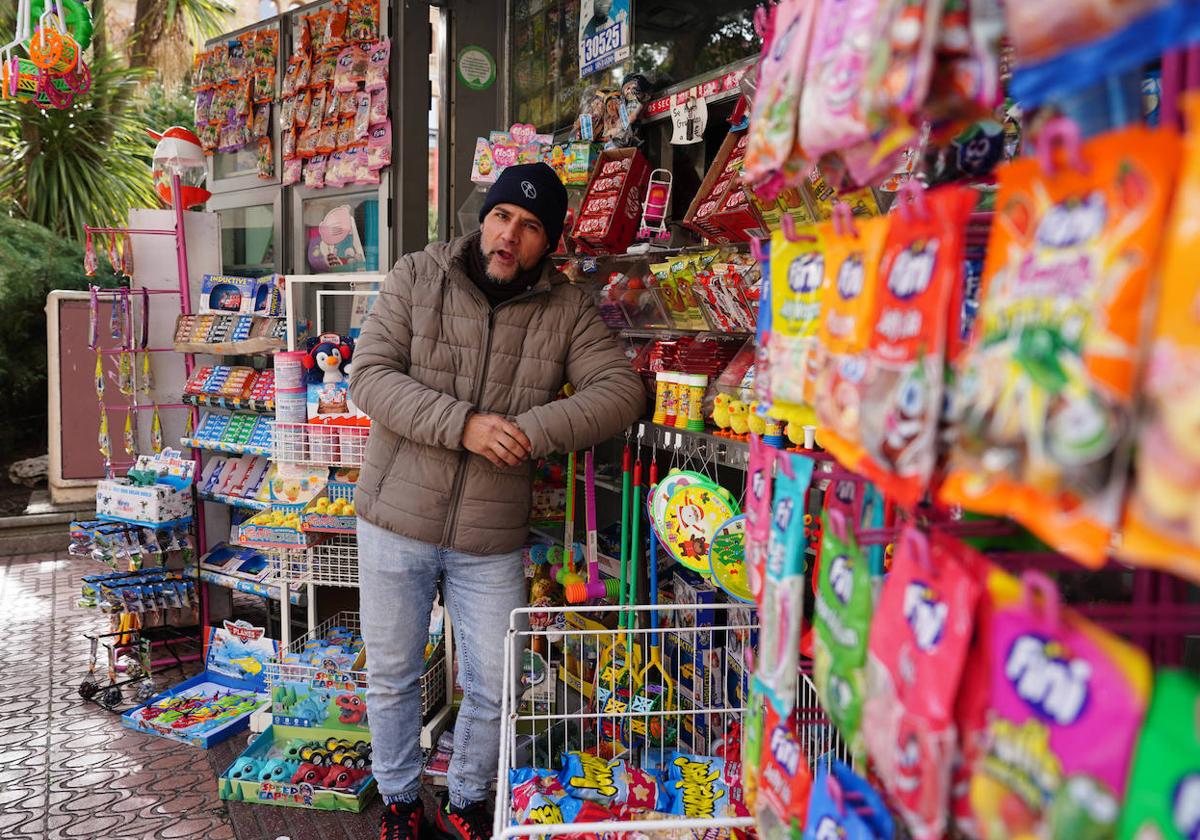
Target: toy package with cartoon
[(335, 245), (919, 641), (1162, 518), (902, 394), (1045, 395), (1067, 702), (1164, 784), (329, 366), (841, 621), (845, 807), (216, 704), (784, 780)]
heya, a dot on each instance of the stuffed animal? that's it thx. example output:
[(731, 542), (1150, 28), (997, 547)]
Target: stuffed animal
[(720, 413), (738, 421), (328, 358)]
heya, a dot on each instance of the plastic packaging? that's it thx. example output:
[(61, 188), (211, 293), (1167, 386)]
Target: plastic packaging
[(797, 275)]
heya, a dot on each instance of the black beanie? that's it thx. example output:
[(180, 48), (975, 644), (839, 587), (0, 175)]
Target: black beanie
[(536, 188)]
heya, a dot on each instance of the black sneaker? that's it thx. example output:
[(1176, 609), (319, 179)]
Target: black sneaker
[(401, 821), (470, 823)]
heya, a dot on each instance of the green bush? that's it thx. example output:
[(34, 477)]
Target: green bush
[(33, 262)]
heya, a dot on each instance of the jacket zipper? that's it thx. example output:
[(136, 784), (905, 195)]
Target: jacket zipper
[(460, 474), (391, 462)]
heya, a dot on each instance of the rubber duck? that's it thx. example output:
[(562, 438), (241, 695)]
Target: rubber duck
[(756, 422), (720, 413), (795, 434), (738, 421)]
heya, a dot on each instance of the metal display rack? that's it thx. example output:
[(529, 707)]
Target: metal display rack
[(319, 444)]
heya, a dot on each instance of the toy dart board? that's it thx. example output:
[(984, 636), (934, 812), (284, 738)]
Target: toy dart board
[(690, 520), (727, 559)]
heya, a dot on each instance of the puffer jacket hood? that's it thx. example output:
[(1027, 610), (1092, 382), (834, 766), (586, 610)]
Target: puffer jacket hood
[(432, 351)]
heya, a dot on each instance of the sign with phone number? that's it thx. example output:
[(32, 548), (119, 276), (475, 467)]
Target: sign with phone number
[(603, 37)]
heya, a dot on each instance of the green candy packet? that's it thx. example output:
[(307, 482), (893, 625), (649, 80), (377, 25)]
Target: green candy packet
[(1163, 795), (842, 624)]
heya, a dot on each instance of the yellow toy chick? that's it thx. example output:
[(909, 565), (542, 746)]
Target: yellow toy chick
[(738, 421), (756, 422), (720, 413)]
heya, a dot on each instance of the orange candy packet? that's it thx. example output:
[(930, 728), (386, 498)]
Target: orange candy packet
[(1162, 517), (1044, 397)]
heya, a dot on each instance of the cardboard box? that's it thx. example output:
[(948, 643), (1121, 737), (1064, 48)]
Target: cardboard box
[(621, 222), (305, 788), (217, 703), (722, 179), (167, 501)]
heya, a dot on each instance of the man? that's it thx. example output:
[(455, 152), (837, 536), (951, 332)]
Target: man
[(458, 367), (601, 9)]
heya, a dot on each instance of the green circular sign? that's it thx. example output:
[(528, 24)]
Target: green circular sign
[(476, 67)]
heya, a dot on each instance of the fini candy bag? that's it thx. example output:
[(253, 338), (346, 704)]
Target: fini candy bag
[(844, 807), (848, 311), (1067, 702), (782, 610), (1164, 786), (830, 109), (842, 619), (759, 473), (897, 81), (1044, 397), (902, 398), (1162, 518), (785, 779), (773, 144), (919, 641), (590, 777), (797, 274)]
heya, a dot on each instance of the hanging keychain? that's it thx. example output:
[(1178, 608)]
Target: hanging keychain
[(99, 377), (114, 254), (125, 363), (90, 261), (127, 259), (105, 443)]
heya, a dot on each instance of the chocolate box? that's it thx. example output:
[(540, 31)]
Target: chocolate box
[(618, 228)]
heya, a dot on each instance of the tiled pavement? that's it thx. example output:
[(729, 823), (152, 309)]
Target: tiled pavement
[(69, 770)]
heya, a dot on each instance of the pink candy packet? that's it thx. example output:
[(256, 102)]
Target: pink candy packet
[(830, 111)]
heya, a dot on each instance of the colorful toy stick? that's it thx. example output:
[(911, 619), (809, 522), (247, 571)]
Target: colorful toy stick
[(594, 588), (127, 259), (565, 573)]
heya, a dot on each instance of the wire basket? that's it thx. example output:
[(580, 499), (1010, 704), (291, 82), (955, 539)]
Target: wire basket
[(433, 680), (333, 562), (703, 650), (320, 444)]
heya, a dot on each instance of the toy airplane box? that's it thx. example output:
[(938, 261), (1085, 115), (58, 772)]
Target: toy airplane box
[(157, 491), (322, 769), (217, 703)]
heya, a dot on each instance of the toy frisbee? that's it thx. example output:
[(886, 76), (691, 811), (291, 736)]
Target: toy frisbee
[(691, 518), (661, 494), (727, 559)]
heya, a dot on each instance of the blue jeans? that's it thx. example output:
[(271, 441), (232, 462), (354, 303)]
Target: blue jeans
[(398, 577)]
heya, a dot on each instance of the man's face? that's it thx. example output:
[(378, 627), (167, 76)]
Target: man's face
[(513, 241)]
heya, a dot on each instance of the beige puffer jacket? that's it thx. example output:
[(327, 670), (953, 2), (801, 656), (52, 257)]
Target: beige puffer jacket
[(431, 351)]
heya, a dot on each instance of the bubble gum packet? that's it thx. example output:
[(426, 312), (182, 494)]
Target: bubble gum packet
[(848, 309), (1162, 518), (377, 65), (773, 132), (902, 396), (1045, 394), (590, 777), (1164, 786), (919, 641), (759, 474), (784, 776), (844, 806), (797, 272), (830, 107), (841, 621), (1067, 700), (782, 611)]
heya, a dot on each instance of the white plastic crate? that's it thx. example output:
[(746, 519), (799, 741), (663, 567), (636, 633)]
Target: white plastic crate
[(320, 444)]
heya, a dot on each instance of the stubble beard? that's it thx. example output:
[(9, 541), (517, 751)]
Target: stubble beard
[(487, 268)]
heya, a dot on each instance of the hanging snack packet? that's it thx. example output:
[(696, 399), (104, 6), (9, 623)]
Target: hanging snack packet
[(292, 168), (346, 72), (897, 82), (842, 618), (379, 106), (782, 611), (379, 145), (327, 138), (797, 272), (785, 781), (966, 85), (972, 705), (830, 109), (699, 788), (362, 115), (1067, 702), (902, 400), (1164, 786), (845, 807), (773, 139), (261, 122), (314, 172), (1162, 518), (848, 309), (304, 108), (1045, 395), (265, 159), (364, 174), (590, 777), (758, 511), (335, 26), (1043, 29), (919, 642), (377, 65)]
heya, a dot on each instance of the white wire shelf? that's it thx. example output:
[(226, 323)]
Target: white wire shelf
[(319, 444), (333, 562)]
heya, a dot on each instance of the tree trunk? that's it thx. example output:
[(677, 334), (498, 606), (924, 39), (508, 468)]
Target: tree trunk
[(148, 24), (99, 32)]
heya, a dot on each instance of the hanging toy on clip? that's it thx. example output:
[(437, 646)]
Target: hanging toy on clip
[(129, 437), (114, 319), (127, 258), (93, 317), (156, 431), (100, 378), (147, 384), (103, 440), (90, 261), (114, 254), (147, 372)]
